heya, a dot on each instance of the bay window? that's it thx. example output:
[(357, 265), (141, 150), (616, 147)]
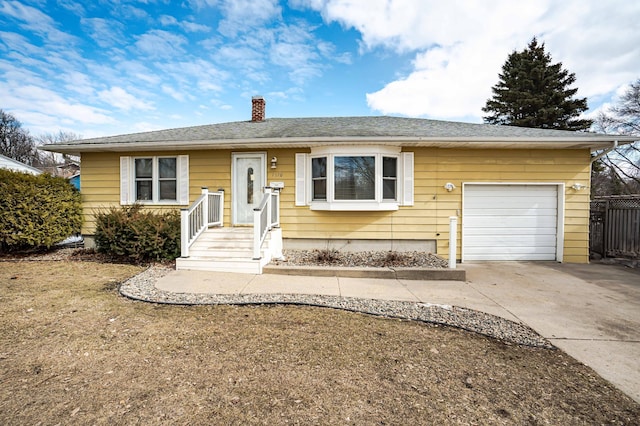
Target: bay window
[(354, 178)]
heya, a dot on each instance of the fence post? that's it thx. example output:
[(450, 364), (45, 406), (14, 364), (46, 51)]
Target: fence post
[(605, 229), (453, 229)]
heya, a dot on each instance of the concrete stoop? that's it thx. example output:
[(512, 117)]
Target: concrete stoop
[(426, 274)]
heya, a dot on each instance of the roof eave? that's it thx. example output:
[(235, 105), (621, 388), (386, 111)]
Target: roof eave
[(590, 142)]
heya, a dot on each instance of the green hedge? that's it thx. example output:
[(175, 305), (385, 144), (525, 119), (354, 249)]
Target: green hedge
[(36, 211), (137, 235)]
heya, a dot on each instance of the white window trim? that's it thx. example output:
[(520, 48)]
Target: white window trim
[(128, 181), (404, 184)]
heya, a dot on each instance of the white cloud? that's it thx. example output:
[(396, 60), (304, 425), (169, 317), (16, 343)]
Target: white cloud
[(218, 104), (293, 93), (137, 72), (328, 50), (599, 41), (78, 82), (192, 27), (144, 126), (245, 15), (36, 21), (239, 56), (460, 46), (121, 99), (198, 73), (130, 12), (72, 6), (175, 94), (161, 44), (19, 43), (167, 20), (188, 26), (31, 101), (105, 32), (202, 4)]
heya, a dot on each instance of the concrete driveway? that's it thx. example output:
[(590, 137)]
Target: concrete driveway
[(592, 312)]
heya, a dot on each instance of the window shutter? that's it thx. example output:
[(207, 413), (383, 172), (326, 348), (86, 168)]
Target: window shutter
[(301, 184), (183, 179), (407, 179), (125, 185)]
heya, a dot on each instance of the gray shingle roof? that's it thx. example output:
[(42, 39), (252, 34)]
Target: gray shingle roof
[(283, 131)]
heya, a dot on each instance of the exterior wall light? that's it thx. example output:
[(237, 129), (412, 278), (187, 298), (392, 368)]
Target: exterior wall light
[(449, 186), (578, 187), (274, 162)]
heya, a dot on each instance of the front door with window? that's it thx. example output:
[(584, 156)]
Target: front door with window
[(248, 183)]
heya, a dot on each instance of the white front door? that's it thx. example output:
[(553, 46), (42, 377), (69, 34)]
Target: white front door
[(249, 177)]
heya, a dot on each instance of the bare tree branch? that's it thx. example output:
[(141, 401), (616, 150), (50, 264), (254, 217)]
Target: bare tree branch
[(622, 118)]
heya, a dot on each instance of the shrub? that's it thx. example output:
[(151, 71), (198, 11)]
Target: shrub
[(36, 211), (137, 235), (327, 256)]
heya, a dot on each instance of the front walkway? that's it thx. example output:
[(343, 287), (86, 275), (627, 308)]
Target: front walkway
[(592, 312)]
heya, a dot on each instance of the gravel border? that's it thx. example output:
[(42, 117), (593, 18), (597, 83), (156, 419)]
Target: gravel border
[(367, 259), (142, 287)]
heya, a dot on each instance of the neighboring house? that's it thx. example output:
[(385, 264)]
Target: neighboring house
[(351, 182), (17, 166), (75, 180), (66, 170)]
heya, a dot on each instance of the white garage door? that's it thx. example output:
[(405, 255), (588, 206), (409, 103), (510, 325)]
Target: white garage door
[(510, 222)]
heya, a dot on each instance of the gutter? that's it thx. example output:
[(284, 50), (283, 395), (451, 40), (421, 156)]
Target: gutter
[(108, 145), (605, 152)]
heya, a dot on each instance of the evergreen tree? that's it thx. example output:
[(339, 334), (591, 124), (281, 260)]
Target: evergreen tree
[(533, 92)]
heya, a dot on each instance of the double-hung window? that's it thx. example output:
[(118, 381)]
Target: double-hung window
[(389, 178), (167, 179), (354, 178), (144, 179), (154, 180), (319, 178)]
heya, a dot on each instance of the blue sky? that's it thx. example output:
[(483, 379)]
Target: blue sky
[(108, 67)]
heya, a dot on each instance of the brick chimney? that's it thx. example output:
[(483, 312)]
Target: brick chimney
[(257, 108)]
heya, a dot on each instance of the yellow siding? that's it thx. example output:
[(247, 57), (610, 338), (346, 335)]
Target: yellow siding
[(427, 219)]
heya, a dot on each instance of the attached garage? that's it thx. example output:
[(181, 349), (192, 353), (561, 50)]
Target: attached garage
[(512, 222)]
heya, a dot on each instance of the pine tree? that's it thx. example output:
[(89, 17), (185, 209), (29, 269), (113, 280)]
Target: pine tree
[(533, 92)]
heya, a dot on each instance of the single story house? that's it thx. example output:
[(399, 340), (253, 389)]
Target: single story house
[(17, 166), (356, 183)]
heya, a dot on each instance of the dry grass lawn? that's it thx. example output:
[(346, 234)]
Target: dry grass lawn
[(73, 351)]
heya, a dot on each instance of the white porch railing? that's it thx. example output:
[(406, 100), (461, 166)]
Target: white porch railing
[(265, 217), (206, 211)]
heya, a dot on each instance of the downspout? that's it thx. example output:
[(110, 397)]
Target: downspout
[(605, 152)]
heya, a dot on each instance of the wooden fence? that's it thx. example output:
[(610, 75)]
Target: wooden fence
[(615, 226)]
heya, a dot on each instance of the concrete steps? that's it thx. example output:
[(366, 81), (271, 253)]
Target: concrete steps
[(225, 250)]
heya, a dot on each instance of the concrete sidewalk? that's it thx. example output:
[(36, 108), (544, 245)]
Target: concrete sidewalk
[(592, 312)]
